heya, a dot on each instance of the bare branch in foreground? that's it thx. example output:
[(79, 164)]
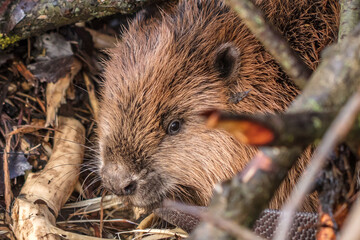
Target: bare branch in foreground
[(349, 17), (351, 230), (330, 86), (334, 135)]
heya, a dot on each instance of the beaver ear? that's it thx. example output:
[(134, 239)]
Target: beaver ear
[(226, 60)]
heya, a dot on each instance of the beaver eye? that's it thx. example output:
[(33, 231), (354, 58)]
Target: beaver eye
[(174, 127)]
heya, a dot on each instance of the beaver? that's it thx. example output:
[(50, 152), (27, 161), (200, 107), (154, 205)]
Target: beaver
[(166, 71)]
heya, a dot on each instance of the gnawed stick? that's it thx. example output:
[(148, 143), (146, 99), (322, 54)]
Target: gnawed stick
[(284, 129), (8, 193), (44, 193)]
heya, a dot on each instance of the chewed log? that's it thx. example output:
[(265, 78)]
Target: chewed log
[(44, 193)]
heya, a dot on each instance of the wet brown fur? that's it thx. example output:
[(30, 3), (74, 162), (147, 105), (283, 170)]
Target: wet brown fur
[(165, 70)]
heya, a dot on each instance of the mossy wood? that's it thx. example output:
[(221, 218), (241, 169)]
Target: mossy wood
[(20, 19)]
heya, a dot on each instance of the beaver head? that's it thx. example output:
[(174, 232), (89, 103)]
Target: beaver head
[(159, 80)]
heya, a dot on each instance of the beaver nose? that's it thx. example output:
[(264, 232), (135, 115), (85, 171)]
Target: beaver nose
[(127, 188), (118, 180), (122, 187)]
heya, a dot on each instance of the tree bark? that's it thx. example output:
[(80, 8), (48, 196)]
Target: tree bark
[(349, 17), (20, 19)]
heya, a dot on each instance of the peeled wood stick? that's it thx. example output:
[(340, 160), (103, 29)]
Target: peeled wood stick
[(44, 193), (285, 129), (70, 235)]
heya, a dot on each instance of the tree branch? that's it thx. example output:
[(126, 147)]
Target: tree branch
[(349, 17), (351, 230), (334, 135), (23, 19)]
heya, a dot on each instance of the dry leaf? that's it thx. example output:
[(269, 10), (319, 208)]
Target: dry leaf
[(92, 96), (51, 70), (56, 93), (327, 232), (245, 131), (101, 40)]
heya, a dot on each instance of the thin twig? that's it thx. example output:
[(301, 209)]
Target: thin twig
[(4, 90), (232, 228), (8, 192), (102, 214), (273, 41), (335, 134)]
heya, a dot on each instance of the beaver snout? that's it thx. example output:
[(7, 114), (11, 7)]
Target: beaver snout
[(118, 180)]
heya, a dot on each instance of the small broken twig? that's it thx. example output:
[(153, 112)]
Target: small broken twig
[(8, 193)]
